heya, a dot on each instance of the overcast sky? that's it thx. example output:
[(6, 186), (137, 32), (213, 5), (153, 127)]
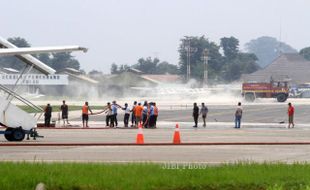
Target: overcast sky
[(122, 31)]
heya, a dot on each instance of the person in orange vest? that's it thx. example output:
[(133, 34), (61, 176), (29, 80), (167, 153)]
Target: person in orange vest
[(138, 113), (155, 114), (85, 113)]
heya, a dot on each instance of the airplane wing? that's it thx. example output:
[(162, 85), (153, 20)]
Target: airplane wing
[(38, 50), (7, 48)]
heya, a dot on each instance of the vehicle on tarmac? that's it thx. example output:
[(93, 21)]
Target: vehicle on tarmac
[(273, 89), (300, 91)]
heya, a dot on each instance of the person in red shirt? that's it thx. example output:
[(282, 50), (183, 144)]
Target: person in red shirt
[(290, 112)]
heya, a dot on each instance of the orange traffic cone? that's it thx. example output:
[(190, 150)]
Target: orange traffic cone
[(140, 138), (176, 136)]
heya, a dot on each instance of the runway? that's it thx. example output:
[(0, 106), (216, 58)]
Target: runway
[(263, 137)]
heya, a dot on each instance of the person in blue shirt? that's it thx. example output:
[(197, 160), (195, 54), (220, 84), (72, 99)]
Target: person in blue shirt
[(152, 115)]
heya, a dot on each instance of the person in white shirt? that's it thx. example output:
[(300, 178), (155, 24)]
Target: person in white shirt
[(204, 111), (133, 116), (108, 113)]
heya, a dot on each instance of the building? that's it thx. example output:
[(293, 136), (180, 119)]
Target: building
[(134, 82), (289, 66)]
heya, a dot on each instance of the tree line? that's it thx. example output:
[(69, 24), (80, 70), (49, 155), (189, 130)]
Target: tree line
[(226, 62), (149, 66)]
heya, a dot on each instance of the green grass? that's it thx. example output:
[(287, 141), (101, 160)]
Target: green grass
[(77, 176), (57, 107)]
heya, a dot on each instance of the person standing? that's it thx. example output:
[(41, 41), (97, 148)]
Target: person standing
[(64, 112), (85, 112), (290, 112), (151, 121), (108, 113), (133, 116), (47, 115), (204, 111), (155, 114), (114, 113), (127, 114), (145, 114), (138, 113), (195, 114), (238, 116)]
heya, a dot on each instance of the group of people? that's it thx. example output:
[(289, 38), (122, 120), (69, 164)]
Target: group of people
[(238, 115), (203, 112), (48, 113), (146, 114)]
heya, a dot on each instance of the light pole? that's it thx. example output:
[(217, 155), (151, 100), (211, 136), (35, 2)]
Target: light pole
[(205, 70), (189, 50)]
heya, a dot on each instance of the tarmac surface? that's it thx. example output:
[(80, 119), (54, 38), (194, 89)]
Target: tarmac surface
[(262, 123)]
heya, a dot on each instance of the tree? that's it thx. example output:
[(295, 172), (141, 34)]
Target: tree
[(196, 46), (147, 65), (45, 58), (123, 68), (95, 72), (267, 49), (305, 52), (61, 61), (164, 68), (114, 68), (230, 47), (244, 63), (227, 68)]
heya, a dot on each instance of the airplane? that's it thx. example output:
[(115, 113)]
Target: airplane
[(25, 124), (7, 49)]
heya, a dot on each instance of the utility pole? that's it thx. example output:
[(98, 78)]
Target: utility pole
[(189, 50), (205, 71)]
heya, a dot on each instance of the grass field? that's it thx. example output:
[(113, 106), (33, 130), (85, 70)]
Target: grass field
[(91, 176)]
